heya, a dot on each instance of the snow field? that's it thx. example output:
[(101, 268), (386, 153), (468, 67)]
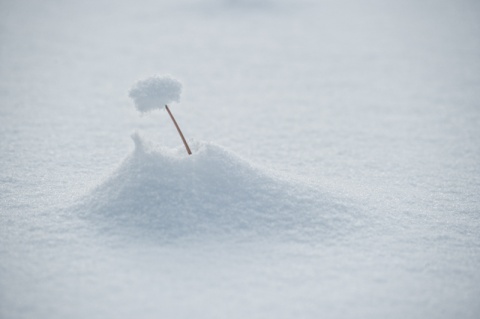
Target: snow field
[(336, 175)]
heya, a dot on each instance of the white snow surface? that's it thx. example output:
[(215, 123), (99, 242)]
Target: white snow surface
[(335, 168), (155, 92), (166, 194)]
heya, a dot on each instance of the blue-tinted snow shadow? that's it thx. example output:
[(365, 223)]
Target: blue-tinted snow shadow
[(167, 195)]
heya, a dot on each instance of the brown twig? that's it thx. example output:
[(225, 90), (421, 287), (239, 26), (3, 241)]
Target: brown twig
[(179, 131)]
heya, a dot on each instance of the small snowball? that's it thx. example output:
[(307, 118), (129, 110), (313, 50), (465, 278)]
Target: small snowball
[(154, 92)]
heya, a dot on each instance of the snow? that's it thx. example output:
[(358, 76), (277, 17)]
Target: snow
[(164, 194), (334, 170), (155, 92)]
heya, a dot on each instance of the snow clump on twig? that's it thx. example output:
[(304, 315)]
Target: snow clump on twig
[(155, 92)]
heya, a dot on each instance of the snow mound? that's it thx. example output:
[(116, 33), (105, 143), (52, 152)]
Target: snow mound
[(168, 194), (155, 92)]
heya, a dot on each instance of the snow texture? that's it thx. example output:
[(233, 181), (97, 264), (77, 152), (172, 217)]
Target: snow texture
[(164, 194), (337, 173), (155, 92)]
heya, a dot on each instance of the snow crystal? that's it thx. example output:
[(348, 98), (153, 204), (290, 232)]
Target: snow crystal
[(155, 92)]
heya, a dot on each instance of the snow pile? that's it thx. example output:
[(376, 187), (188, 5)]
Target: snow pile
[(155, 92), (167, 194)]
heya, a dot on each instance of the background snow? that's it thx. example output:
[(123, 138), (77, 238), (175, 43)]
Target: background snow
[(155, 92), (372, 104)]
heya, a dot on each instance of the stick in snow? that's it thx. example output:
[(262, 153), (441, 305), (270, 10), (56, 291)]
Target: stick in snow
[(179, 130)]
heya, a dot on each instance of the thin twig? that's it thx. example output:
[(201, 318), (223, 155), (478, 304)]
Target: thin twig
[(179, 131)]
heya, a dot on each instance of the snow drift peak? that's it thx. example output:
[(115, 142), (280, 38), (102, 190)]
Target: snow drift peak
[(166, 194)]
